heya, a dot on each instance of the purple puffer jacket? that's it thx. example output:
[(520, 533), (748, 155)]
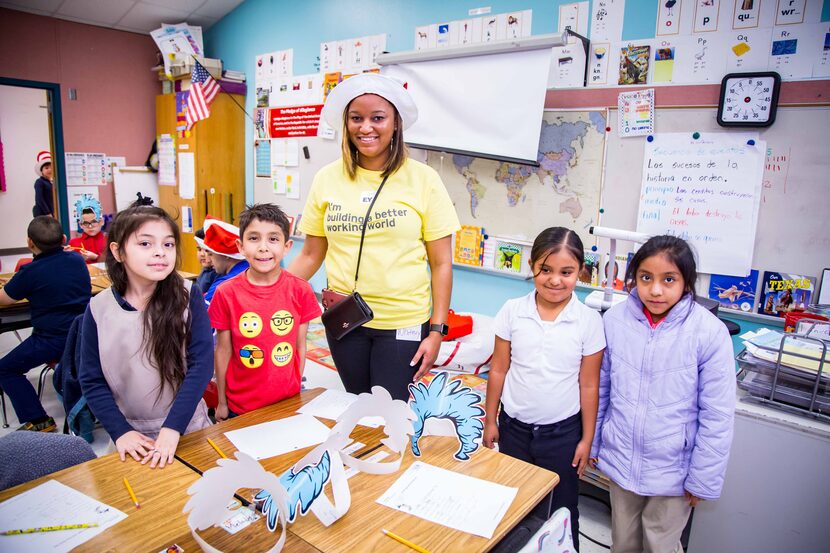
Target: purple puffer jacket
[(666, 401)]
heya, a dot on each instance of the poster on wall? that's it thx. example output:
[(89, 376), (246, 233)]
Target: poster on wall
[(85, 169), (668, 17), (636, 113), (607, 20), (706, 15)]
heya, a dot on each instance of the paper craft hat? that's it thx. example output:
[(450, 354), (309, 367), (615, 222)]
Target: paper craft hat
[(369, 83), (43, 158), (221, 237)]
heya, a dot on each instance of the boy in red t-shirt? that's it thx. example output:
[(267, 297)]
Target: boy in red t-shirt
[(92, 243), (261, 318)]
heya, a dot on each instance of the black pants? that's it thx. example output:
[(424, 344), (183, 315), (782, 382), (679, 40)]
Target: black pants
[(369, 357), (552, 447)]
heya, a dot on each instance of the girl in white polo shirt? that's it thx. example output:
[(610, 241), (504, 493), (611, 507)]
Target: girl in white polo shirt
[(545, 371)]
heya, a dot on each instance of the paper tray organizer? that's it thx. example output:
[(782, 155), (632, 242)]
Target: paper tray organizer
[(792, 389)]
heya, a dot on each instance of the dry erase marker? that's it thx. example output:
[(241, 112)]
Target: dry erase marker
[(216, 447), (404, 541), (48, 529), (132, 493)]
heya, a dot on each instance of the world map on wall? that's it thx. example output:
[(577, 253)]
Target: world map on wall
[(519, 201)]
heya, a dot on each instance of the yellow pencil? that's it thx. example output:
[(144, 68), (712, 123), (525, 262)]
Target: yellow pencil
[(404, 541), (48, 529), (132, 493), (216, 447)]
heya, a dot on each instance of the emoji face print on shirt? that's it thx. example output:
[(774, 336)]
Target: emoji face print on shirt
[(251, 357), (282, 322), (250, 324), (282, 353)]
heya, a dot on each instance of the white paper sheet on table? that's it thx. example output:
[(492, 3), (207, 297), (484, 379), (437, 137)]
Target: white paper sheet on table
[(273, 438), (333, 403), (450, 499), (53, 504)]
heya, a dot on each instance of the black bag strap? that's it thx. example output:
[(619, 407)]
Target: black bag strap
[(363, 230)]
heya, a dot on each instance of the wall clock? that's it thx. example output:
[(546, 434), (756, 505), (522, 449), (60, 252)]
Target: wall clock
[(748, 99)]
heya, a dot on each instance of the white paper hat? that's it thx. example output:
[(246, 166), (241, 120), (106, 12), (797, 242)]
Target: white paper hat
[(369, 83)]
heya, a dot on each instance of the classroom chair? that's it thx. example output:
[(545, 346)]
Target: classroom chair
[(12, 323), (26, 456), (554, 536), (22, 261)]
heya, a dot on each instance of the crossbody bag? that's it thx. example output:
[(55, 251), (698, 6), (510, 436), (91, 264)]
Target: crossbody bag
[(344, 313)]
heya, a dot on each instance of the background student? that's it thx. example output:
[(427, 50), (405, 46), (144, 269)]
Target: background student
[(44, 200), (220, 241), (545, 371), (667, 400), (146, 342), (411, 225), (207, 275), (92, 243), (261, 318), (58, 288)]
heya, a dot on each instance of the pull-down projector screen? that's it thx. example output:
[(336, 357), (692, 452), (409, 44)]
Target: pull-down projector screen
[(484, 105)]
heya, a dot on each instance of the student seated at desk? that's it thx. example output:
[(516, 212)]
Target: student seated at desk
[(58, 288), (261, 317), (92, 243), (146, 343), (220, 242)]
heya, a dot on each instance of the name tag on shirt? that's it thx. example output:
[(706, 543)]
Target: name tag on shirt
[(366, 197), (411, 334)]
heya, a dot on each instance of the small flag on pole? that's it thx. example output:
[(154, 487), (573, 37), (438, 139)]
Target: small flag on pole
[(203, 90)]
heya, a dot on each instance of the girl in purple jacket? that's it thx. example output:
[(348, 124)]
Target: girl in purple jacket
[(666, 401)]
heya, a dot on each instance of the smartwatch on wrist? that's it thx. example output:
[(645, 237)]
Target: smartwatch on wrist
[(440, 328)]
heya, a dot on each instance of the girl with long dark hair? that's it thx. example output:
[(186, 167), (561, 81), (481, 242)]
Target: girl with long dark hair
[(147, 348)]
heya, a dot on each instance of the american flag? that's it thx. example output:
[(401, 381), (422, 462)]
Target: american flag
[(203, 89)]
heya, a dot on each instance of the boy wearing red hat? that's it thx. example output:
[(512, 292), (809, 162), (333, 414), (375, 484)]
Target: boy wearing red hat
[(220, 241), (44, 201)]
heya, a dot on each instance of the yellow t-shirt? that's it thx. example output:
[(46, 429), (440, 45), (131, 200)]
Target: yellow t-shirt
[(413, 208)]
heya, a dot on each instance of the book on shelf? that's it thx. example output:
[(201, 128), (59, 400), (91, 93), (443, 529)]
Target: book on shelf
[(469, 246), (590, 269), (733, 292), (508, 256), (782, 293)]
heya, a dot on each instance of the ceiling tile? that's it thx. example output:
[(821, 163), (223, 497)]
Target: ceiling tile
[(148, 18), (100, 12), (201, 21), (180, 5), (218, 8), (33, 6)]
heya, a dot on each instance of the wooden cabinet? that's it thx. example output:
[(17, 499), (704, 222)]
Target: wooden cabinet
[(218, 145)]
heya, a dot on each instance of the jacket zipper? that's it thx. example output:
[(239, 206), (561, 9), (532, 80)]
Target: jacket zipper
[(642, 409)]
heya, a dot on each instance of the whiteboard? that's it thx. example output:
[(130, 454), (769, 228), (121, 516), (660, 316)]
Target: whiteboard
[(793, 233), (128, 181)]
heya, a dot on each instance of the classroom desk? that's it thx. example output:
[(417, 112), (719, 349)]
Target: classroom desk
[(98, 278), (359, 529), (160, 522)]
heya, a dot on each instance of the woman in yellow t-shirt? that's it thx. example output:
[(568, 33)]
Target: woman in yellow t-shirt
[(406, 264)]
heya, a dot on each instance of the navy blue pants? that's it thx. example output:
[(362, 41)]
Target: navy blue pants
[(369, 357), (552, 447), (34, 351)]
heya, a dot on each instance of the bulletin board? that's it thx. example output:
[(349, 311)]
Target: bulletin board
[(793, 234)]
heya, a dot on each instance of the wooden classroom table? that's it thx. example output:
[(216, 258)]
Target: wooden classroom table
[(98, 278), (360, 527), (160, 522)]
